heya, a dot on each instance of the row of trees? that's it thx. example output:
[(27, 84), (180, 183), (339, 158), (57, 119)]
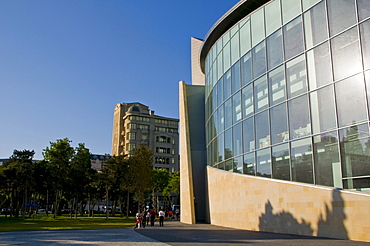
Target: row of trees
[(64, 178)]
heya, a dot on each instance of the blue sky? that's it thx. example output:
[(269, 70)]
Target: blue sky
[(65, 64)]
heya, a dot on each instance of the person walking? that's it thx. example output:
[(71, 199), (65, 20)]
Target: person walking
[(161, 217), (152, 217), (138, 219), (143, 218)]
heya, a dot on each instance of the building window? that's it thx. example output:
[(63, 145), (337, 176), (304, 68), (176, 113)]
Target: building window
[(131, 126), (132, 136)]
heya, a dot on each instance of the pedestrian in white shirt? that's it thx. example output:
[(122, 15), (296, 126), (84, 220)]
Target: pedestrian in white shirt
[(161, 215)]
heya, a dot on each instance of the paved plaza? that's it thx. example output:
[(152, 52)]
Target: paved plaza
[(173, 233)]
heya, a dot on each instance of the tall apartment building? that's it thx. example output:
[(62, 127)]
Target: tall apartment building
[(134, 124)]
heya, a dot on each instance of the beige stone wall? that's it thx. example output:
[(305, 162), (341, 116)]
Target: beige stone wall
[(186, 176), (260, 204)]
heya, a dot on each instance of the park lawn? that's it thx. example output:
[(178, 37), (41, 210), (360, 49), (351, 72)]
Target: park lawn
[(43, 222)]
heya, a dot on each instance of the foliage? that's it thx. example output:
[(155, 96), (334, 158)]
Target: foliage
[(141, 172), (64, 181)]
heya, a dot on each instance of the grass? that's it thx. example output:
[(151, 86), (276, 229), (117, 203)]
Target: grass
[(43, 222)]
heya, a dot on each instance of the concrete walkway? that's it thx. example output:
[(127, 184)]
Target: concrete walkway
[(173, 233), (179, 234)]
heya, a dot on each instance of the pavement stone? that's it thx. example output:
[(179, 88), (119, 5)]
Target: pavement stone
[(173, 233), (176, 233)]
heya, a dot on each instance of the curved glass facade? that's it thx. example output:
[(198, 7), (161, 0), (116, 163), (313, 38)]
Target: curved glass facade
[(287, 94)]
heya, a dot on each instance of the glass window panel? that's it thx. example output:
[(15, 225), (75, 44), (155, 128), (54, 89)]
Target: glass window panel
[(293, 38), (220, 148), (363, 9), (296, 76), (358, 184), (228, 144), (355, 152), (263, 168), (281, 162), (291, 8), (272, 15), (346, 54), (350, 95), (211, 127), (315, 25), (367, 78), (318, 61), (237, 108), (245, 38), (221, 118), (327, 164), (249, 164), (219, 45), (262, 130), (226, 55), (342, 14), (220, 91), (365, 42), (259, 59), (235, 77), (299, 119), (309, 3), (234, 30), (301, 157), (261, 94), (227, 84), (214, 72), (238, 164), (221, 166), (258, 26), (237, 140), (274, 49), (214, 151), (220, 69), (248, 135), (247, 101), (216, 120), (277, 85), (235, 48), (213, 95), (323, 110), (279, 124), (246, 69), (226, 38), (228, 113), (229, 165)]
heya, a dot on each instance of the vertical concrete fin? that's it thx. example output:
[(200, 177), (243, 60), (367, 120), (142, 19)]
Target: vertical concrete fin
[(197, 76), (186, 175)]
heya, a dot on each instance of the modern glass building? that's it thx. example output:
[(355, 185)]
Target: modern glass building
[(287, 93)]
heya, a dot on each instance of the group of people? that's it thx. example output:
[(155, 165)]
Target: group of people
[(145, 216)]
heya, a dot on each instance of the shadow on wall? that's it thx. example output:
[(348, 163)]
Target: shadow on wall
[(284, 222), (333, 224)]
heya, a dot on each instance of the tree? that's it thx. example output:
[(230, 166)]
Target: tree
[(141, 172), (173, 185), (18, 173), (80, 176), (59, 156), (161, 178)]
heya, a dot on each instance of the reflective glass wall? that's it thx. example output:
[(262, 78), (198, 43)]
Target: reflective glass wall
[(287, 94)]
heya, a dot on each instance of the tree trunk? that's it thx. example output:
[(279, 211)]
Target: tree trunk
[(106, 202), (128, 204)]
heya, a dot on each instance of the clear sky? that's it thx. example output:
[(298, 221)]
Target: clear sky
[(64, 65)]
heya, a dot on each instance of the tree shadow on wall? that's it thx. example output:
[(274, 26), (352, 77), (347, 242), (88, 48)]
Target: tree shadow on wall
[(333, 224), (282, 222)]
